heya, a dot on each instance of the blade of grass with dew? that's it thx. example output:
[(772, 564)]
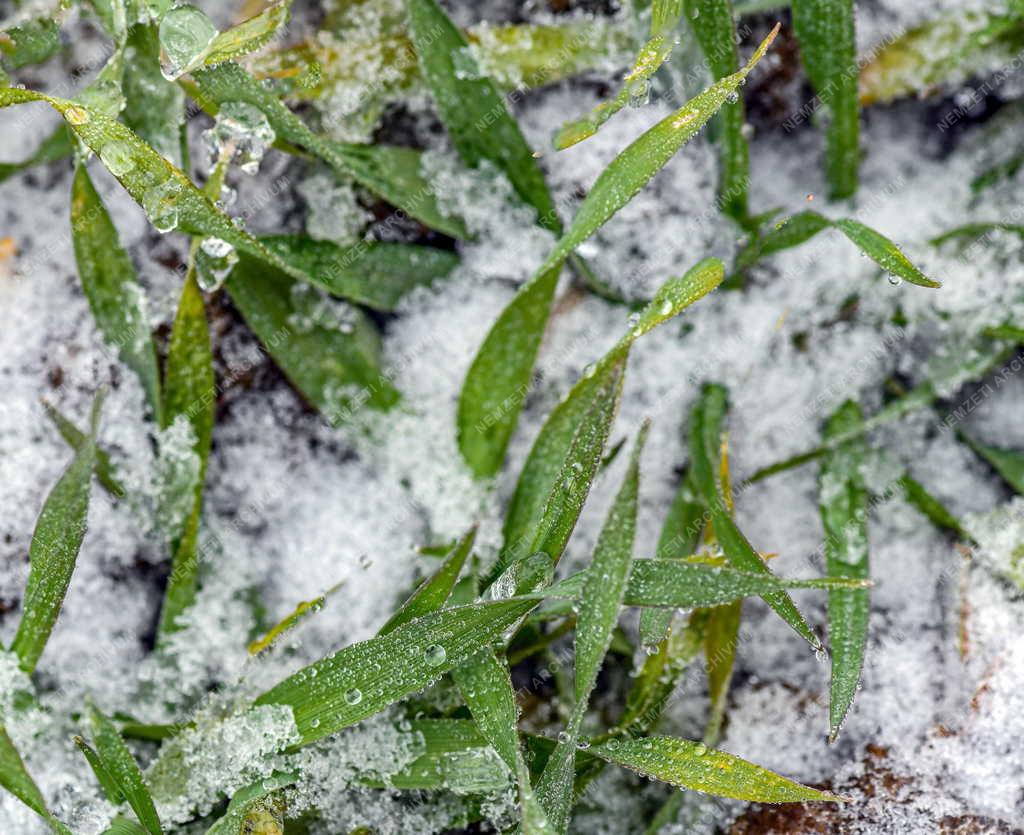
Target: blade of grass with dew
[(828, 49), (713, 23), (472, 109), (256, 809), (545, 469), (934, 510), (123, 770), (190, 395), (680, 535), (77, 439), (111, 790), (1008, 463), (14, 777), (124, 826), (166, 194), (291, 620), (844, 508), (692, 765), (491, 396), (486, 687), (433, 592), (655, 52), (180, 30), (53, 552), (56, 146), (30, 42), (363, 679), (393, 173), (154, 107), (599, 606), (110, 284), (372, 274), (335, 369), (801, 227), (982, 356), (680, 584), (705, 434)]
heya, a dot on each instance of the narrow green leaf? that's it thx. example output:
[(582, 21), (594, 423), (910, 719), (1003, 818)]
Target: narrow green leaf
[(492, 394), (335, 368), (705, 434), (291, 620), (111, 789), (154, 107), (558, 458), (801, 227), (53, 552), (15, 778), (486, 687), (681, 584), (364, 678), (1009, 463), (393, 173), (30, 42), (472, 109), (124, 826), (844, 508), (680, 535), (108, 279), (179, 26), (692, 765), (825, 29), (189, 393), (600, 602), (433, 592), (372, 274), (721, 633), (713, 22), (77, 439), (978, 231), (122, 768), (918, 496)]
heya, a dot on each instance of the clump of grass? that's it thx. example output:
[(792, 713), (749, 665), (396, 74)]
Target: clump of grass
[(468, 625)]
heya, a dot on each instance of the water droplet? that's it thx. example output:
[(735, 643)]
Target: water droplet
[(583, 744), (160, 204), (76, 115), (700, 749), (895, 280), (733, 97), (215, 259), (666, 308), (435, 655), (563, 737), (185, 32), (117, 156), (243, 131), (353, 696), (747, 131), (314, 723), (589, 369)]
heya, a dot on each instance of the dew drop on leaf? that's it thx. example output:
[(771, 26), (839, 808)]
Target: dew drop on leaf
[(117, 157), (353, 696), (185, 32), (160, 204), (76, 115), (435, 655)]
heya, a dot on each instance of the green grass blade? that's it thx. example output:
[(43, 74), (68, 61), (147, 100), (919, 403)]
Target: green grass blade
[(883, 252), (124, 826), (473, 110), (1007, 462), (828, 48), (111, 789), (979, 231), (15, 778), (122, 768), (108, 279), (189, 393), (337, 371), (692, 765), (786, 234), (53, 552), (918, 496), (844, 507), (486, 687), (154, 107), (362, 679), (544, 474), (500, 374), (30, 42), (599, 605), (680, 584), (721, 634), (371, 274), (680, 535), (434, 592), (713, 23), (77, 439), (705, 434), (390, 172), (179, 25)]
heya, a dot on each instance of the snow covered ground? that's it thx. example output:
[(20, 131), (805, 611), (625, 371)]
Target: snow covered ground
[(936, 735)]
